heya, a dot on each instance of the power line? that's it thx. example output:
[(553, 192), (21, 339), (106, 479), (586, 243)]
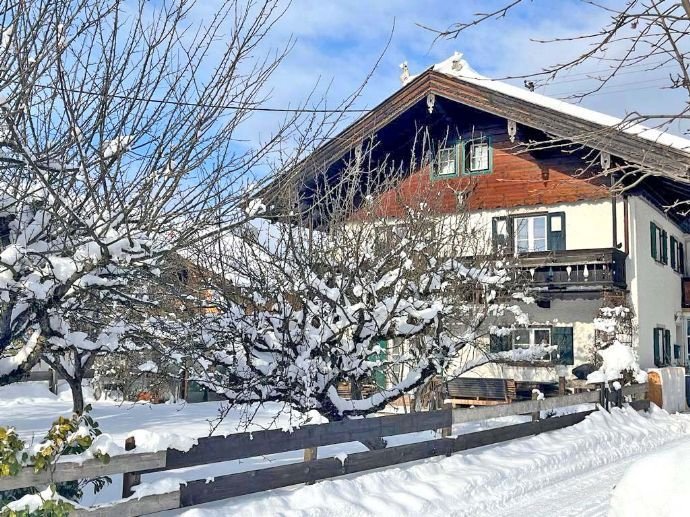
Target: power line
[(204, 105)]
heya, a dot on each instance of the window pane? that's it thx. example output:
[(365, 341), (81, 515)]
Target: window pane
[(521, 338), (538, 245), (542, 336), (539, 227), (521, 228), (479, 156), (446, 161)]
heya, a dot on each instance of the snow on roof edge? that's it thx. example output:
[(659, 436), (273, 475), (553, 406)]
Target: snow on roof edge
[(457, 67)]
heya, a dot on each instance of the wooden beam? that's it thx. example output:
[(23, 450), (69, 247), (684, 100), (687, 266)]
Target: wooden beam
[(70, 471), (132, 507), (223, 487), (246, 445), (523, 407)]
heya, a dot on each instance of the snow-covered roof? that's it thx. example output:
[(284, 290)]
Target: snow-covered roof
[(457, 67)]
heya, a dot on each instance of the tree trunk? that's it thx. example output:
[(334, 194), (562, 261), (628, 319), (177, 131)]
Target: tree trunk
[(77, 395)]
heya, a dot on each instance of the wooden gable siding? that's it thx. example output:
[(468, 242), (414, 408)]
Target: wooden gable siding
[(516, 180)]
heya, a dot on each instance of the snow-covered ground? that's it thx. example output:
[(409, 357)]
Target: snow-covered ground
[(567, 472)]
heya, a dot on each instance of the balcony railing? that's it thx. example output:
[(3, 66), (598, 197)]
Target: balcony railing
[(574, 270)]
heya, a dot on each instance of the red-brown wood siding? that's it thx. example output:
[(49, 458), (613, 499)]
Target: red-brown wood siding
[(516, 180)]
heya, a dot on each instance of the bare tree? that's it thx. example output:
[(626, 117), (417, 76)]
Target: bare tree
[(119, 147), (338, 295)]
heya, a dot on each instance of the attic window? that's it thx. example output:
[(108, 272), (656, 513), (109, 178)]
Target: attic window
[(446, 163), (478, 156)]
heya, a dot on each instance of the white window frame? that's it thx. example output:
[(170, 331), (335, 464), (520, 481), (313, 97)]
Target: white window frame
[(532, 339), (447, 163), (479, 161), (531, 239)]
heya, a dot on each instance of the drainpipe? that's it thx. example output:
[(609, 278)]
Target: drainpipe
[(614, 216)]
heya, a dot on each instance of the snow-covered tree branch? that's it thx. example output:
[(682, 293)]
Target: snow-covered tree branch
[(119, 147)]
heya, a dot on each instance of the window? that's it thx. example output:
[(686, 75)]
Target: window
[(659, 243), (662, 346), (446, 166), (478, 156), (501, 234), (558, 342), (526, 338), (677, 256), (530, 234)]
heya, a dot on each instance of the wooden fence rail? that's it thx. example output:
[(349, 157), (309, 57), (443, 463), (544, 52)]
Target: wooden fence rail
[(369, 430)]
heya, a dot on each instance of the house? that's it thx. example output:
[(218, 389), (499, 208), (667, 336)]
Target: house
[(583, 201)]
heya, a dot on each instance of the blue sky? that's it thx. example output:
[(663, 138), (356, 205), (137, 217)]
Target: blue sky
[(338, 42)]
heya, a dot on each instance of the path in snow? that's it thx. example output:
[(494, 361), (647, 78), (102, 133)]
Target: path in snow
[(586, 494)]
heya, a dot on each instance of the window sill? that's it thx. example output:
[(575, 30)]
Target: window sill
[(531, 364)]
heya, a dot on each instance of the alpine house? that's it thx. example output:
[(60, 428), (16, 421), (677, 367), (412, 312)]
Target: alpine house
[(582, 201)]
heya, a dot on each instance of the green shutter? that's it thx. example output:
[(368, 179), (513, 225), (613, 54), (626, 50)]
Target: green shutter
[(681, 258), (667, 347), (652, 235), (664, 247), (674, 252), (379, 373), (657, 351), (562, 337), (556, 239), (499, 343)]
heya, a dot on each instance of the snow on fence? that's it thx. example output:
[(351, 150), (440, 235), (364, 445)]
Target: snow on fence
[(369, 431)]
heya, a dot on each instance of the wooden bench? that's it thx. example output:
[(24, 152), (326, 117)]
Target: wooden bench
[(469, 391)]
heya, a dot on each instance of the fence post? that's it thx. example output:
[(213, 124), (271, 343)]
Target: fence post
[(603, 399), (535, 414), (130, 479), (310, 454), (447, 431), (561, 386)]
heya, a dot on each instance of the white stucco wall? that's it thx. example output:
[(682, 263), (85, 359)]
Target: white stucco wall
[(576, 313), (655, 289), (588, 224)]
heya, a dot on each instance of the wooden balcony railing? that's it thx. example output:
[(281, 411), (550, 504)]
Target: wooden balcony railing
[(578, 269)]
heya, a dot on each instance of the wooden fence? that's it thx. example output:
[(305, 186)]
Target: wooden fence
[(369, 431)]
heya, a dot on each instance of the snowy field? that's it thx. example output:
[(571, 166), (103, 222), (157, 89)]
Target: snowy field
[(567, 472)]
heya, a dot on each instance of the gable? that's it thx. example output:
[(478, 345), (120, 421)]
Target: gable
[(460, 106)]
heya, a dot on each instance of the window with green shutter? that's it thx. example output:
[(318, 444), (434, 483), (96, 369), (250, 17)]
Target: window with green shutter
[(674, 253), (556, 231), (667, 347), (562, 337), (657, 346), (500, 343), (658, 243), (477, 156)]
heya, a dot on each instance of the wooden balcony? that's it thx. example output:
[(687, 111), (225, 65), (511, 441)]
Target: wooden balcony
[(573, 273)]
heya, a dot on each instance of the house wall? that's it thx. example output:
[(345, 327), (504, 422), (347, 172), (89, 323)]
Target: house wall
[(655, 289), (578, 314), (522, 179), (588, 224)]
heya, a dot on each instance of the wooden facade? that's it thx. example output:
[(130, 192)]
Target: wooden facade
[(515, 180)]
